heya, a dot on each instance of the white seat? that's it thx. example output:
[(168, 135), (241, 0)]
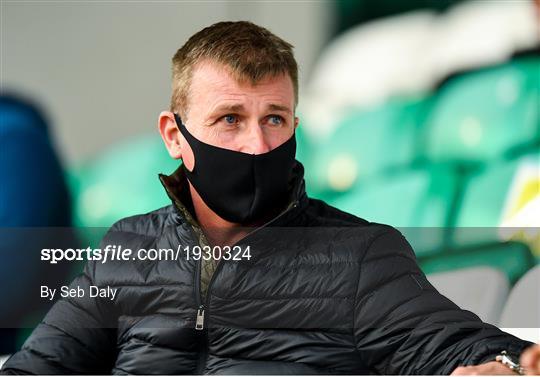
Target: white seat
[(481, 290), (408, 54), (521, 313)]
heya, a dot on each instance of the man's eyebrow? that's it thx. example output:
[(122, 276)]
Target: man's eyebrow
[(275, 107), (222, 109), (240, 108), (228, 108)]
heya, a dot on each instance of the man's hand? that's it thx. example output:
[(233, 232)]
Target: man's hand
[(529, 360), (493, 368)]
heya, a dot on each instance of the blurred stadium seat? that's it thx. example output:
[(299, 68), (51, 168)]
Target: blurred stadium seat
[(122, 181), (512, 258), (412, 199), (481, 290), (522, 310), (482, 115), (367, 143), (409, 53)]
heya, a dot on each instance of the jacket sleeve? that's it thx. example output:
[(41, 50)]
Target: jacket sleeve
[(402, 325), (77, 336)]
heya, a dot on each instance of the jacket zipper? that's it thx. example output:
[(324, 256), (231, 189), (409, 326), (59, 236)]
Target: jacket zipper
[(199, 321), (199, 324), (201, 318)]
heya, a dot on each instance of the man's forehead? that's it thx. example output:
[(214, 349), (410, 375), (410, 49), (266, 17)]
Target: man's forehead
[(212, 79)]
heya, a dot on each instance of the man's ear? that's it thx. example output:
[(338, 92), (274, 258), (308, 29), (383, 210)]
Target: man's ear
[(170, 134), (296, 120)]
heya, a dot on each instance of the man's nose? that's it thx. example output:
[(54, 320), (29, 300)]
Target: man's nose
[(255, 141)]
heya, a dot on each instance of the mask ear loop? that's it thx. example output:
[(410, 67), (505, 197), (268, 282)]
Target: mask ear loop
[(183, 129), (190, 138)]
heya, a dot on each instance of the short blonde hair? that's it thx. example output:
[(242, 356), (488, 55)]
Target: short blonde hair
[(250, 52)]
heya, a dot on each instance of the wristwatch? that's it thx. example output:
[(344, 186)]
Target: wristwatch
[(507, 360)]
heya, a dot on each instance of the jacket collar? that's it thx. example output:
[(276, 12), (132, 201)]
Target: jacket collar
[(177, 188)]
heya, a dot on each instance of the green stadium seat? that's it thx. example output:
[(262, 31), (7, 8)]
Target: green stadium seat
[(485, 114), (419, 202), (512, 258), (123, 181), (367, 143)]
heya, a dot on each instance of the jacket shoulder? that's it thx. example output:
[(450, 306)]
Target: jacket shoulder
[(147, 225), (134, 233), (365, 234), (319, 212)]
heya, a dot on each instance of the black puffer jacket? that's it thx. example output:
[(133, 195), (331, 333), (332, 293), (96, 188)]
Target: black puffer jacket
[(327, 293)]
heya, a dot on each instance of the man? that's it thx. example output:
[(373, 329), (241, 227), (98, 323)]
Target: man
[(287, 284)]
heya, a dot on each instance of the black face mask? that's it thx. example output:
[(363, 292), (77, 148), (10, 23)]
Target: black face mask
[(240, 187)]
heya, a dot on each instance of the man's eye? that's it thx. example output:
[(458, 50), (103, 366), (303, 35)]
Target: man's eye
[(230, 119), (276, 120)]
